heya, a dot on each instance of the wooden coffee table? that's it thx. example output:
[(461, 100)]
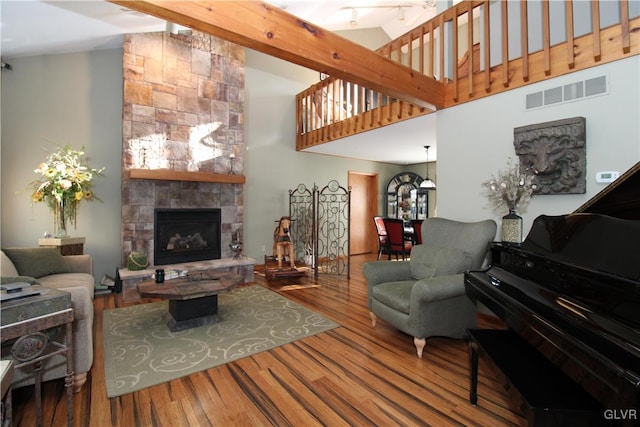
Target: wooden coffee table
[(191, 302)]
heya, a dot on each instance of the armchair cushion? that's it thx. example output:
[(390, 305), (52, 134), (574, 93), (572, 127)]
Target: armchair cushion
[(396, 295), (430, 261), (37, 262), (438, 288)]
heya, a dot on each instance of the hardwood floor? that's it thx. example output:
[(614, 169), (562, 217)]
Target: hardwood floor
[(353, 375)]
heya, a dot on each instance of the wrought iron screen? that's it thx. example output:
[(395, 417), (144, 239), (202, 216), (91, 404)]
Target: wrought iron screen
[(334, 210), (302, 213), (321, 226)]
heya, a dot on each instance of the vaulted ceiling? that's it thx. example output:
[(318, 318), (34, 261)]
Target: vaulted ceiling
[(65, 26)]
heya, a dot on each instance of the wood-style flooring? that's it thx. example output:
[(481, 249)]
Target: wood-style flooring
[(354, 375)]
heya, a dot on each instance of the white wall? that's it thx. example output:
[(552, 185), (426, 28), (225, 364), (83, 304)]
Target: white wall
[(475, 140), (272, 165), (53, 100)]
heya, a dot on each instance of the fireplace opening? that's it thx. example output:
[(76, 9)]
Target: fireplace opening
[(185, 235)]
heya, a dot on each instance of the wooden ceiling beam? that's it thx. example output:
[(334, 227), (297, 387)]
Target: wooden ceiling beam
[(271, 30)]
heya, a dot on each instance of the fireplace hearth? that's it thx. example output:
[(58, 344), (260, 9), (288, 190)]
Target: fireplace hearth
[(186, 235)]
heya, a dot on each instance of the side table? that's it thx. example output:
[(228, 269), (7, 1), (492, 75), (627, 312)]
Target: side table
[(66, 245), (25, 322), (6, 369)]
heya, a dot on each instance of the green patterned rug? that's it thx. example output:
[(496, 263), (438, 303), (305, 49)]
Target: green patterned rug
[(140, 350)]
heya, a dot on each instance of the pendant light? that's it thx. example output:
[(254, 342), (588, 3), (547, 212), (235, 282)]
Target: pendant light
[(427, 184)]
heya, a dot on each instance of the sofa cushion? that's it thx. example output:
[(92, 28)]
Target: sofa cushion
[(396, 295), (37, 262), (7, 268), (430, 261), (7, 280)]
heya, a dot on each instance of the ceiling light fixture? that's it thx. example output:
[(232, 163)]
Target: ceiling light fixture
[(171, 28), (400, 13), (427, 184), (354, 17)]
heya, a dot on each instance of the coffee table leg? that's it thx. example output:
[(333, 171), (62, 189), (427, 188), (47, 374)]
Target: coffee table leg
[(185, 314)]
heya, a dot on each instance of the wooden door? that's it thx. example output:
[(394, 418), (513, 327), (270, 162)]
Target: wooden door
[(364, 206)]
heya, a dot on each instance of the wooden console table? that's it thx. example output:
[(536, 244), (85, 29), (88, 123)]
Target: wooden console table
[(26, 320), (66, 245)]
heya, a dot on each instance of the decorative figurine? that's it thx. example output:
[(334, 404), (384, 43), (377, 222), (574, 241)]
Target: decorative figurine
[(282, 242), (236, 246)]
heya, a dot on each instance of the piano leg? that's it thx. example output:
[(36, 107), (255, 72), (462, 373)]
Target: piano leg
[(473, 373)]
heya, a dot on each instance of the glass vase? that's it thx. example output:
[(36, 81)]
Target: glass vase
[(512, 228), (60, 223)]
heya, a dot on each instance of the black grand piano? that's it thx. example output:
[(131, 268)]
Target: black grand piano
[(571, 291)]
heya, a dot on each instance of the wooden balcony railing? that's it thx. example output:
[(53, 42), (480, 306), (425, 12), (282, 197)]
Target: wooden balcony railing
[(334, 109), (497, 46)]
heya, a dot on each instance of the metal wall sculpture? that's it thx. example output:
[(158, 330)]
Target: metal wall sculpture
[(556, 153), (321, 226)]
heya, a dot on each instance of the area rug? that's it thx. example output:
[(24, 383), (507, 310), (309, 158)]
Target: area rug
[(140, 350)]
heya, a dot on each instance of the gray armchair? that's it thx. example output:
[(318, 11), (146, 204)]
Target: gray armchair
[(425, 296)]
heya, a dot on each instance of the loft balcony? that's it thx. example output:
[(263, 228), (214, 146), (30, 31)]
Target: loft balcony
[(498, 46)]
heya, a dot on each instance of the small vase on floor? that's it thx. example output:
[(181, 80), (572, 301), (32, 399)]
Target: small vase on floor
[(512, 228)]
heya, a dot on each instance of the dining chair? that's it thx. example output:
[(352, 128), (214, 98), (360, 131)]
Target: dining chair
[(416, 224), (397, 241), (382, 234)]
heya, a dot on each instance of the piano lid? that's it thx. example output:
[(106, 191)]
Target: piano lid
[(620, 199), (602, 234), (596, 242)]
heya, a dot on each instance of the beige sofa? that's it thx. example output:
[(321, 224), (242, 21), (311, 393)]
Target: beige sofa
[(73, 274)]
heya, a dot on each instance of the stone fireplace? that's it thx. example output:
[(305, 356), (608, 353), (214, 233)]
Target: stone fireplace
[(183, 109)]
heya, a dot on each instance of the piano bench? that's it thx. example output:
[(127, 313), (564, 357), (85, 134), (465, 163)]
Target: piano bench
[(548, 396)]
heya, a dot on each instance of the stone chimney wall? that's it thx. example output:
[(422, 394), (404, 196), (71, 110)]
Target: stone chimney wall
[(183, 109)]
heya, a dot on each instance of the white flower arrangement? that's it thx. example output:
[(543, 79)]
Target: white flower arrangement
[(511, 189), (64, 181)]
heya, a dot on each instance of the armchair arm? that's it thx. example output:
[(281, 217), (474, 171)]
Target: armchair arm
[(377, 272), (438, 288), (80, 263)]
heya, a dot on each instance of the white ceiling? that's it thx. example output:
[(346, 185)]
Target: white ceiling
[(32, 27)]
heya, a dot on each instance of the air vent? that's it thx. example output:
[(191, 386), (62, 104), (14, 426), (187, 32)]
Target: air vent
[(567, 93), (595, 86)]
